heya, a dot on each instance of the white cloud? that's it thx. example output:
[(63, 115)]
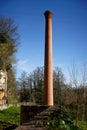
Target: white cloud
[(22, 65)]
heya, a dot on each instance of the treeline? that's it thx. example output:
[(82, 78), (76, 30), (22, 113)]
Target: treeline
[(74, 98)]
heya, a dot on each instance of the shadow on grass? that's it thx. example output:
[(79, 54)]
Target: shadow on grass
[(7, 126)]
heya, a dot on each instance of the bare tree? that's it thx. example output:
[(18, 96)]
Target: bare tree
[(58, 83), (32, 84), (84, 85), (75, 84), (79, 84)]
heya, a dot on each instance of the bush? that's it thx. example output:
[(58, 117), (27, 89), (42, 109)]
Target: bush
[(60, 120)]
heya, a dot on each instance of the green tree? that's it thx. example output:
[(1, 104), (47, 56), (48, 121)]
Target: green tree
[(8, 47), (8, 41)]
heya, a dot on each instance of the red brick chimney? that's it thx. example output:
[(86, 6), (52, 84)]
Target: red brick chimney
[(48, 76)]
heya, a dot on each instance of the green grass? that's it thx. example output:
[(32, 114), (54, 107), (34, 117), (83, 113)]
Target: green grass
[(82, 125), (9, 117)]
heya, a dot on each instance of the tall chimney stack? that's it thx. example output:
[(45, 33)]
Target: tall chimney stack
[(48, 76)]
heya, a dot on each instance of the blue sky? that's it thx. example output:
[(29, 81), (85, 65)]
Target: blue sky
[(69, 31)]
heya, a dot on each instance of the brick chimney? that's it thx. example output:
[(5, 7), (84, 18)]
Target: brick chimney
[(48, 76)]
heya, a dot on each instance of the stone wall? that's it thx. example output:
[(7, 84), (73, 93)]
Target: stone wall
[(28, 112)]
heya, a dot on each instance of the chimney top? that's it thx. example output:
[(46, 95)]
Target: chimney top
[(48, 13)]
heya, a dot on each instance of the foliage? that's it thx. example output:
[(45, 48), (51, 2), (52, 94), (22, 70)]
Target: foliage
[(8, 41), (12, 100), (12, 87), (82, 125), (33, 83), (60, 120), (30, 86), (9, 29), (74, 99), (24, 90), (9, 118), (8, 47), (58, 84)]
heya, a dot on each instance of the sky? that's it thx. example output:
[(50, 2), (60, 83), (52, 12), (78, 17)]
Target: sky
[(69, 29)]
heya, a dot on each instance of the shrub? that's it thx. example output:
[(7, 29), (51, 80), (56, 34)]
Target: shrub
[(60, 120)]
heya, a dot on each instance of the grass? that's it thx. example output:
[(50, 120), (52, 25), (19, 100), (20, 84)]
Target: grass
[(82, 125), (9, 118)]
